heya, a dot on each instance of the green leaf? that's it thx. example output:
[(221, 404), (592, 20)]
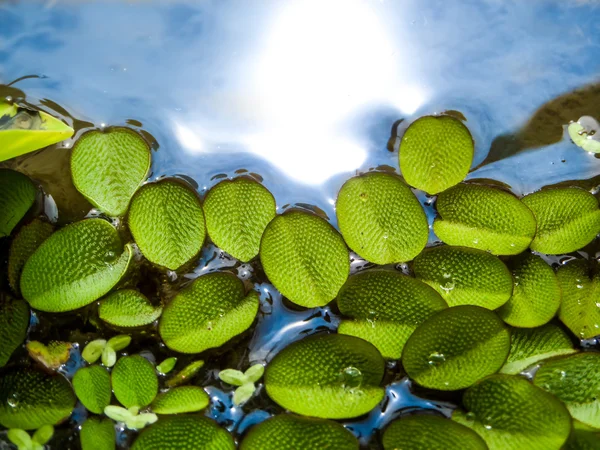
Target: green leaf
[(167, 223), (51, 356), (531, 345), (27, 131), (436, 153), (109, 356), (305, 258), (430, 432), (108, 166), (233, 377), (93, 350), (167, 365), (20, 438), (583, 438), (456, 348), (327, 376), (536, 295), (381, 219), (385, 307), (92, 387), (465, 276), (120, 342), (580, 306), (97, 434), (581, 138), (128, 308), (574, 379), (485, 218), (30, 399), (75, 266), (183, 399), (141, 421), (186, 374), (17, 195), (118, 413), (568, 219), (43, 434), (237, 213), (14, 321), (183, 432), (206, 314), (243, 393), (134, 381), (509, 412), (30, 237), (254, 373), (291, 432)]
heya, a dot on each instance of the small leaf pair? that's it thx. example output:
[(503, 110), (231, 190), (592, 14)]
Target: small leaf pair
[(23, 441), (131, 417), (244, 380), (107, 350)]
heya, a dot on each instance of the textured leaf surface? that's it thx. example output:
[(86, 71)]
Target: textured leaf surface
[(167, 223), (531, 345), (30, 237), (456, 347), (17, 194), (108, 166), (436, 153), (208, 313), (583, 438), (183, 399), (290, 432), (536, 295), (385, 307), (305, 258), (237, 213), (14, 320), (430, 432), (485, 218), (509, 412), (580, 306), (381, 219), (75, 266), (185, 374), (188, 432), (128, 308), (574, 379), (465, 276), (134, 381), (30, 399), (92, 387), (327, 376), (98, 434), (567, 219), (51, 356)]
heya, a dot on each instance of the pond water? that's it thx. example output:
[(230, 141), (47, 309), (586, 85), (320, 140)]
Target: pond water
[(304, 93)]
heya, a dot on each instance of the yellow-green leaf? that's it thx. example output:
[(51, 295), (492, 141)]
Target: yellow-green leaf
[(92, 387), (134, 381), (17, 194), (14, 321), (128, 308), (179, 400)]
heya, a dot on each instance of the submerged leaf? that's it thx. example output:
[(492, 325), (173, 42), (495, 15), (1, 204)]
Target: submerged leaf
[(186, 374), (17, 194), (14, 321)]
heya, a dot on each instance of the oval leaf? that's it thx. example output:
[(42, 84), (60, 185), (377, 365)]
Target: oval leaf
[(485, 218), (531, 345), (305, 258), (108, 166), (430, 432), (509, 412), (75, 266), (30, 399), (465, 276), (381, 219), (208, 313), (328, 376), (536, 295), (128, 308), (14, 321), (98, 434), (92, 387), (580, 306), (290, 432), (386, 307), (456, 347), (567, 219), (574, 379), (17, 194), (237, 213), (167, 223), (436, 153), (167, 365), (190, 431), (134, 381), (186, 374), (183, 399)]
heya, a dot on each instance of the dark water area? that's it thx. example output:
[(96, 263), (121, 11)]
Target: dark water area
[(304, 93)]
